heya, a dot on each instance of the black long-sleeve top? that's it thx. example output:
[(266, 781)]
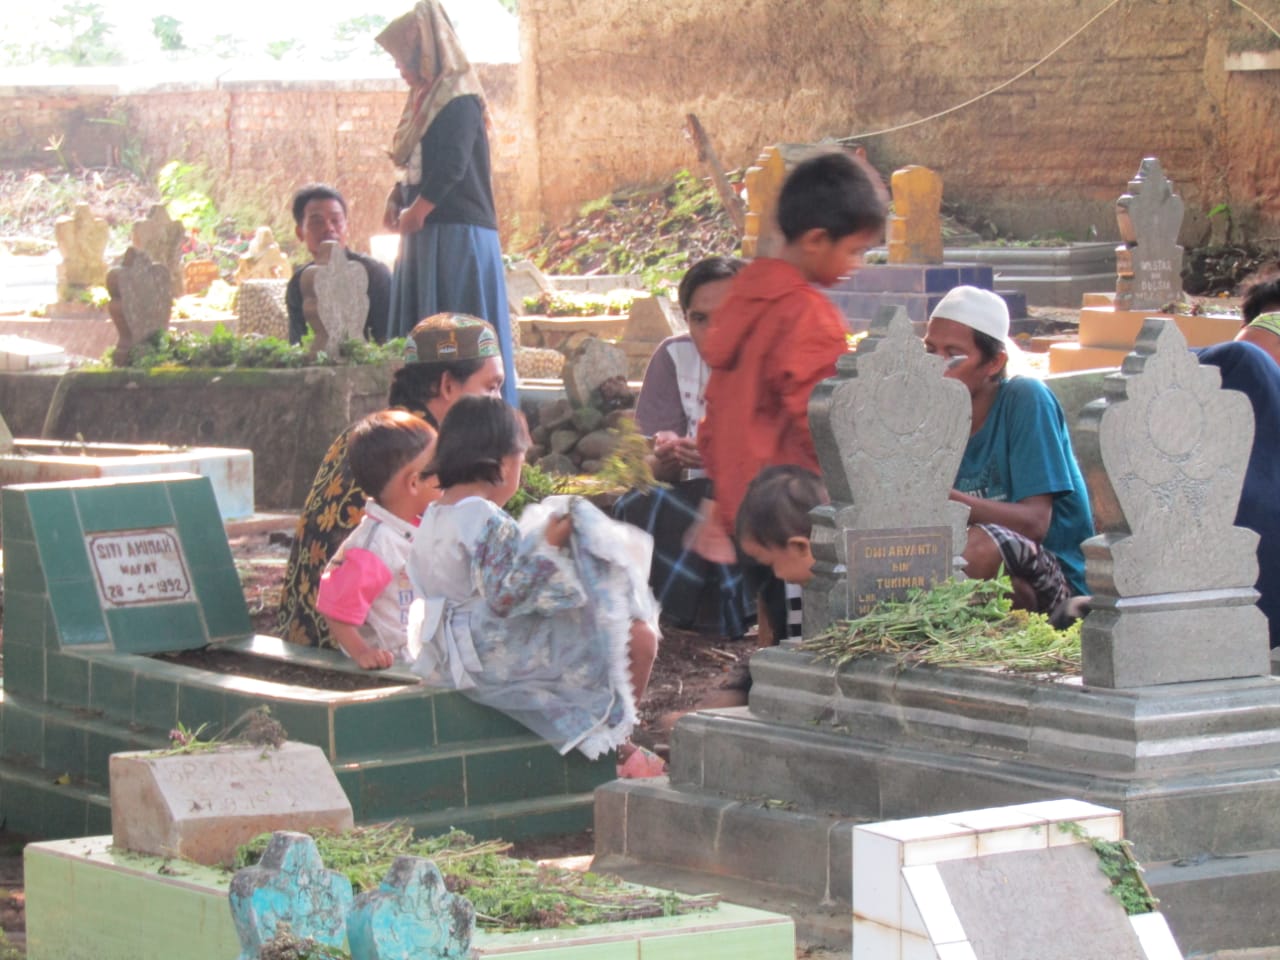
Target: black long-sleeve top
[(455, 166)]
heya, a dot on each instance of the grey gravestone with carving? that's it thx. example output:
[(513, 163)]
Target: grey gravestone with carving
[(1171, 575), (335, 297), (1149, 260), (141, 300), (82, 239), (160, 238), (890, 431)]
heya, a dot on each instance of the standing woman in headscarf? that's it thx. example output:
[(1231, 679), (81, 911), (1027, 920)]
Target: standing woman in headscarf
[(450, 258)]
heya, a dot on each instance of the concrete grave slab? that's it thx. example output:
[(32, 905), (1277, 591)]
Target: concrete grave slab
[(202, 806), (915, 226), (995, 883)]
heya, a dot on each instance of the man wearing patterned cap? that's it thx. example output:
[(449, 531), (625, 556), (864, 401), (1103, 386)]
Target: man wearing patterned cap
[(449, 355), (1028, 505)]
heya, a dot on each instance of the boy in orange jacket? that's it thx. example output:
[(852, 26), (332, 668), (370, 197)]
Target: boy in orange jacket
[(776, 336)]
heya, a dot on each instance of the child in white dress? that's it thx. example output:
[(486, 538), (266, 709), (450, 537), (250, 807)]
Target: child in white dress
[(554, 625)]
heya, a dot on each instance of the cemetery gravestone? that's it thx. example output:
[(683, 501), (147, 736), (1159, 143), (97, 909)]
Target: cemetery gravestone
[(260, 308), (411, 916), (290, 885), (1149, 261), (197, 275), (591, 364), (263, 260), (890, 431), (82, 239), (335, 297), (915, 226), (1173, 448), (203, 806), (160, 238), (141, 300)]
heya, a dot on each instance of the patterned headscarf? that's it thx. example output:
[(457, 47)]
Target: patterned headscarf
[(424, 43), (1267, 321)]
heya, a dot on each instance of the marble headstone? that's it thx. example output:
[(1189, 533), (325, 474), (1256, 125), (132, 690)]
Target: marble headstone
[(1171, 575), (890, 431), (203, 806), (915, 226), (160, 238), (141, 300), (1149, 260), (263, 260), (82, 239), (335, 297)]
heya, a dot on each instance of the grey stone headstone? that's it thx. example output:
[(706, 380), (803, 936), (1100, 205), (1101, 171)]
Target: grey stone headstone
[(524, 280), (1149, 260), (160, 238), (335, 297), (652, 320), (592, 364), (890, 431), (141, 300), (1171, 575)]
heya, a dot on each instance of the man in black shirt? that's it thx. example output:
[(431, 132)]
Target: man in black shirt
[(320, 215)]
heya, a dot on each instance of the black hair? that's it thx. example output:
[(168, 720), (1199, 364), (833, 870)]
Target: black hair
[(315, 191), (777, 504), (1261, 293), (706, 271), (834, 192), (381, 444), (414, 385), (477, 433)]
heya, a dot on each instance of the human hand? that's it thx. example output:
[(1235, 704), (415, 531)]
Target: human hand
[(414, 216), (707, 537), (558, 530), (664, 448), (391, 210), (372, 658)]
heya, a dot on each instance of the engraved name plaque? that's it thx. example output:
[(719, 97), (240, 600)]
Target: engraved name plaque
[(136, 567), (885, 564)]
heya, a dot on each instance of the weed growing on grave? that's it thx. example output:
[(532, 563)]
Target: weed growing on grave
[(255, 727), (173, 350), (285, 946), (957, 623), (570, 303), (1117, 862), (508, 894), (627, 467), (535, 486)]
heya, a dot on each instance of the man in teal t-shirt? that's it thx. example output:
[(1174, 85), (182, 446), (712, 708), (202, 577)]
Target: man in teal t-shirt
[(1028, 505)]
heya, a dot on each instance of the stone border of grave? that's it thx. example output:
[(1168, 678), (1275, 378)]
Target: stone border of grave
[(77, 891)]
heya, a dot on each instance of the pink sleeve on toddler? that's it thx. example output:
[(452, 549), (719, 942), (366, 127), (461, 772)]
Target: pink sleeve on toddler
[(348, 589)]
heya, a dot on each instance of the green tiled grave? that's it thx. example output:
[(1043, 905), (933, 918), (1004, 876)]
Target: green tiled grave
[(76, 893), (80, 682)]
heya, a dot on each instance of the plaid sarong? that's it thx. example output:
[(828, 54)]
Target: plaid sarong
[(683, 581)]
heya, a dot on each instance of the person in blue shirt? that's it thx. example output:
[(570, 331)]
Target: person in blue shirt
[(1028, 504)]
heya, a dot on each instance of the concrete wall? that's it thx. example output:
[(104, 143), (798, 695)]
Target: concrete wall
[(223, 408), (613, 80)]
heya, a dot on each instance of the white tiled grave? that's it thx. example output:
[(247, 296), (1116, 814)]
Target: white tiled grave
[(1003, 883)]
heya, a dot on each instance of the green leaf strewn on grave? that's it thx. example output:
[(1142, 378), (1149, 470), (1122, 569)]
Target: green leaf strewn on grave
[(957, 623), (508, 894)]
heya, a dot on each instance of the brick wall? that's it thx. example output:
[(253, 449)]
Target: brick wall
[(260, 139), (614, 79)]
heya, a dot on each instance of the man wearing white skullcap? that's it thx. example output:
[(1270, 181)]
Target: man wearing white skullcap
[(1028, 505)]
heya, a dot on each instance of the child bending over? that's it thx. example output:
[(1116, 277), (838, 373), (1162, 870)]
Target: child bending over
[(365, 592), (773, 522), (552, 626)]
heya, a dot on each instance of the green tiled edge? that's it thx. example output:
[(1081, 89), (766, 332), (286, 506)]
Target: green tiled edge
[(123, 505), (156, 628), (76, 892)]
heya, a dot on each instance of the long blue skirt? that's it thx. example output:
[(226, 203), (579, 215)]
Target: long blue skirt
[(456, 268)]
